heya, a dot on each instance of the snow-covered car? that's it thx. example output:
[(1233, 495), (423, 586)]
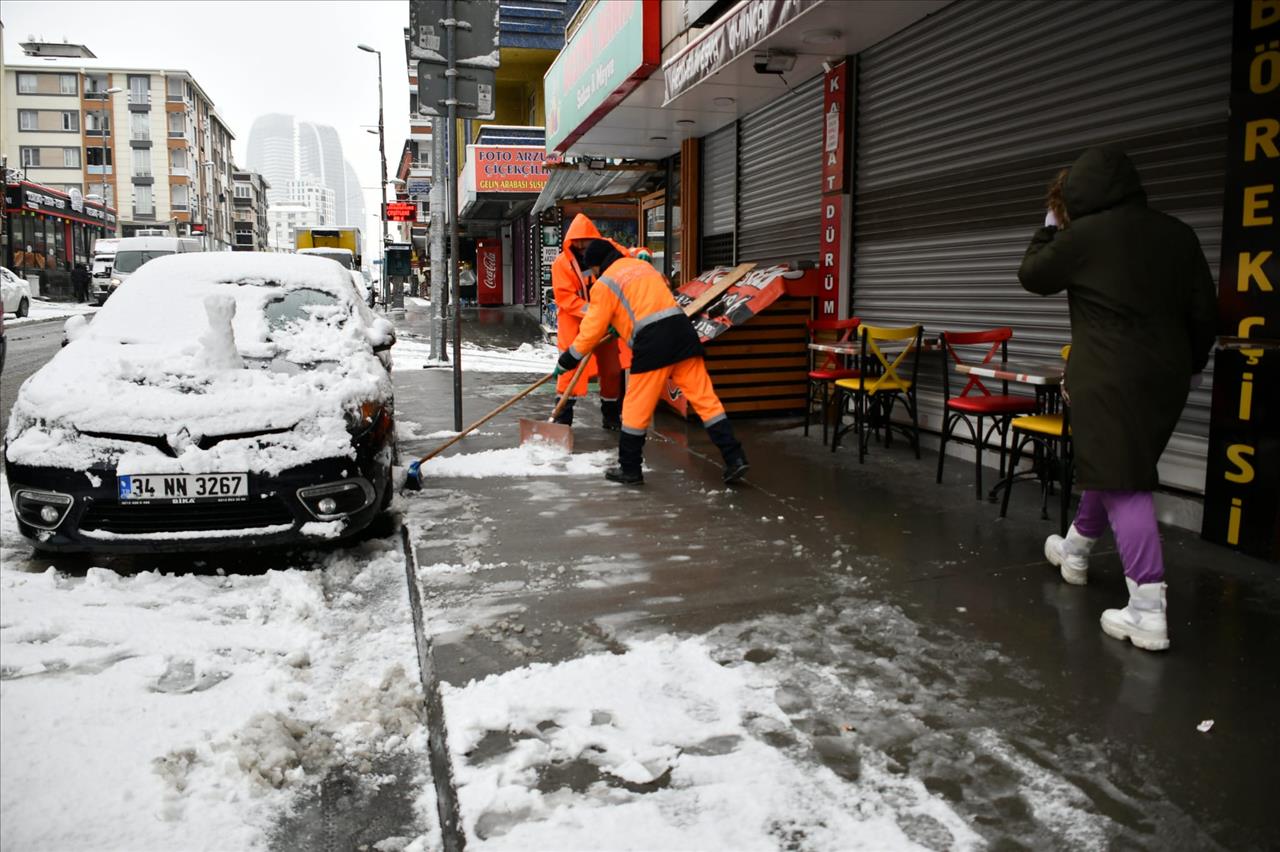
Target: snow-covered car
[(220, 400), (15, 293)]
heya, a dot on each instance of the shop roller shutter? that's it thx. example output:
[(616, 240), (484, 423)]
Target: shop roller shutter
[(719, 196), (780, 177), (965, 116)]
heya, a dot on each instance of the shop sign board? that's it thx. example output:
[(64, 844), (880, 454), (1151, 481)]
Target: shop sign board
[(27, 196), (401, 211), (741, 28), (613, 50), (509, 168), (418, 187), (1242, 476), (835, 110)]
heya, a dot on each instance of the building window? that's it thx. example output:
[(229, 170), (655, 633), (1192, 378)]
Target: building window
[(243, 191), (177, 125), (28, 120), (139, 89), (180, 196), (178, 161), (71, 121), (143, 201), (71, 158), (140, 125), (141, 162), (95, 85), (68, 84), (97, 122), (94, 155), (174, 88), (26, 84), (29, 156)]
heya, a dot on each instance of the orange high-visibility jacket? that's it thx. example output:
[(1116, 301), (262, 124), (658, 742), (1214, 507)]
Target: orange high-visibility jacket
[(633, 297)]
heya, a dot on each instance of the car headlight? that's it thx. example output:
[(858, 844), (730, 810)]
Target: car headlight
[(115, 282), (370, 419)]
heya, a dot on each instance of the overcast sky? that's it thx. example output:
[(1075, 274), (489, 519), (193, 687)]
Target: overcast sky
[(292, 56)]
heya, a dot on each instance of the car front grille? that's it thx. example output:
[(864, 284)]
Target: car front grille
[(190, 517)]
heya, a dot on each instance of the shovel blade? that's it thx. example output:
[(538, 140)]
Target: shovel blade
[(556, 434)]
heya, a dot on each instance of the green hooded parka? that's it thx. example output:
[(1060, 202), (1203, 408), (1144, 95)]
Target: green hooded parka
[(1143, 307)]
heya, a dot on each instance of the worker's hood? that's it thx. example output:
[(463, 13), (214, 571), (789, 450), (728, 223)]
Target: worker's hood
[(1102, 178), (581, 228)]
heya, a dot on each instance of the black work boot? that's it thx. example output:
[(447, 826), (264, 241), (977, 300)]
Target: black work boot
[(630, 459), (735, 459), (565, 417), (611, 415)]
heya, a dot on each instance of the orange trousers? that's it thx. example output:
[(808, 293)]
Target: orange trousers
[(645, 389), (607, 369)]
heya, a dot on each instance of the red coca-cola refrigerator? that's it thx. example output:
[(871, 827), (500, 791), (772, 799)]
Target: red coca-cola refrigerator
[(489, 272)]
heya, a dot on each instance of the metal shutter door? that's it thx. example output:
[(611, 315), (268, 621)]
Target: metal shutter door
[(954, 154), (780, 177), (719, 196)]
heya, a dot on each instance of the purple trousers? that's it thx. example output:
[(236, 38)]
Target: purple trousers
[(1132, 516)]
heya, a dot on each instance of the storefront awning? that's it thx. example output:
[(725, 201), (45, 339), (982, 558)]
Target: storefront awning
[(570, 181)]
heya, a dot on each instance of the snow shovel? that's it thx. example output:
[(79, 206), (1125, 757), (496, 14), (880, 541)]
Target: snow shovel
[(548, 430), (413, 477)]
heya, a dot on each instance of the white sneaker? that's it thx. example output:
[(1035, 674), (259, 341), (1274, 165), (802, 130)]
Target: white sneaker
[(1143, 622), (1070, 554)]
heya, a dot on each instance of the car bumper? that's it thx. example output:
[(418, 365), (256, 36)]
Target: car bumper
[(272, 515)]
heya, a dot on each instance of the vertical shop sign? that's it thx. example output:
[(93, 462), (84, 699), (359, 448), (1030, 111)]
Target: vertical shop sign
[(489, 272), (835, 101), (1242, 486)]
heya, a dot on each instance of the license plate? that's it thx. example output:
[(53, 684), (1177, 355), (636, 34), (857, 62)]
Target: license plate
[(182, 487)]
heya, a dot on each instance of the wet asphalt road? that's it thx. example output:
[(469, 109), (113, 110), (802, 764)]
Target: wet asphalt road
[(30, 346)]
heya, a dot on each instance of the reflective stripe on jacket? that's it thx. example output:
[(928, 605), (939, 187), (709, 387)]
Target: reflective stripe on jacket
[(633, 297)]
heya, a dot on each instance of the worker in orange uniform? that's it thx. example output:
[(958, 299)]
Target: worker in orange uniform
[(632, 297), (572, 289)]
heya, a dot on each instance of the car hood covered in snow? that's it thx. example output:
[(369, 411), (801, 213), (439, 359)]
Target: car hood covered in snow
[(206, 362)]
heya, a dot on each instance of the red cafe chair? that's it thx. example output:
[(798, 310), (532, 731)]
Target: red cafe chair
[(976, 403), (831, 368)]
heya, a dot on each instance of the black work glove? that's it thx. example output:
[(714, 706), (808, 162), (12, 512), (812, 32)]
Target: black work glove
[(566, 363)]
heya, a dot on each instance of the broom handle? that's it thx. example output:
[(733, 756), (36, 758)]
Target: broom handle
[(501, 408)]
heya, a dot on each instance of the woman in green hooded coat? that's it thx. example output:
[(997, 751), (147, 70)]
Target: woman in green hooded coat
[(1143, 309)]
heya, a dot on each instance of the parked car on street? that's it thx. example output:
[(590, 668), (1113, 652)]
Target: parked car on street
[(132, 253), (104, 259), (15, 293), (227, 400)]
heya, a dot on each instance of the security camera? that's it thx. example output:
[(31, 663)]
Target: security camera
[(773, 61)]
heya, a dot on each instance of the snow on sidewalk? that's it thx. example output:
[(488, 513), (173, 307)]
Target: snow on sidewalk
[(190, 712), (42, 310), (410, 354)]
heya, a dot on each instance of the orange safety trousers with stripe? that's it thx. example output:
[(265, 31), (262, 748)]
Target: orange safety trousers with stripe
[(644, 390)]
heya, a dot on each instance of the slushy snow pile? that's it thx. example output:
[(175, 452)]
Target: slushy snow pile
[(40, 310), (528, 358), (536, 458), (165, 355), (189, 712), (661, 748)]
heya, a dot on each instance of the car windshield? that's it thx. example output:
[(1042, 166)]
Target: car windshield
[(129, 261), (298, 306)]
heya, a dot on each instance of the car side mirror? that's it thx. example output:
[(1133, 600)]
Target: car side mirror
[(382, 335), (75, 328)]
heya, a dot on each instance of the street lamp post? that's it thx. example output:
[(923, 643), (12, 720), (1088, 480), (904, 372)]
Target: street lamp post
[(382, 200), (102, 128)]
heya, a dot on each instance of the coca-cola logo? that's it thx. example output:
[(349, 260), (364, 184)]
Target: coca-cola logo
[(489, 268)]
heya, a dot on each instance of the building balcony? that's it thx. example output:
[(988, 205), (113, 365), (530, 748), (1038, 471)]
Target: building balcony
[(179, 171), (96, 132), (98, 170), (148, 213), (179, 206), (95, 96), (139, 101)]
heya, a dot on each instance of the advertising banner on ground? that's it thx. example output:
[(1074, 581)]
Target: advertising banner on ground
[(610, 53), (1242, 474)]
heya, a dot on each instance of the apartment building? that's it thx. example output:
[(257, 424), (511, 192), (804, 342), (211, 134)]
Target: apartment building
[(302, 203), (155, 149), (249, 211)]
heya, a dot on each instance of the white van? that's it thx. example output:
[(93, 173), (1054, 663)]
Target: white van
[(104, 258), (133, 252)]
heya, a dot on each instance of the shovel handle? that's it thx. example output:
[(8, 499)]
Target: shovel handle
[(492, 414)]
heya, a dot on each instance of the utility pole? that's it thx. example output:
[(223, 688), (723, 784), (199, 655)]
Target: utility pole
[(450, 27), (439, 281), (382, 191)]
